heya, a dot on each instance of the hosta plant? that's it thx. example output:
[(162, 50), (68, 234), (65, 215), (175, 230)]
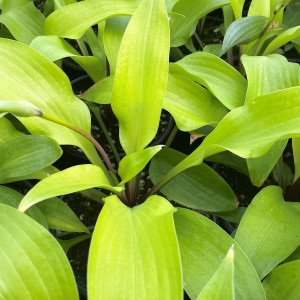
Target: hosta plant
[(149, 243)]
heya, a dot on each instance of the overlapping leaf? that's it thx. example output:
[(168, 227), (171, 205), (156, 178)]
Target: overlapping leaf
[(140, 250), (27, 154), (73, 20), (269, 230), (227, 84), (25, 72), (68, 181), (188, 13), (141, 75), (56, 48), (32, 260), (203, 245), (283, 282), (23, 20), (199, 187)]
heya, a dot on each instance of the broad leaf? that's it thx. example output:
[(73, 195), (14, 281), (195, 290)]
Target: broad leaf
[(252, 129), (283, 282), (25, 72), (283, 38), (68, 181), (13, 198), (140, 250), (73, 20), (113, 34), (221, 285), (23, 20), (237, 7), (227, 84), (269, 230), (244, 31), (60, 216), (139, 88), (191, 105), (199, 187), (266, 75), (291, 16), (56, 48), (134, 163), (203, 245), (27, 154), (33, 265), (190, 12)]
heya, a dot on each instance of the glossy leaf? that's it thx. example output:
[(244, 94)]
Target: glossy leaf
[(227, 84), (138, 244), (13, 198), (221, 284), (8, 131), (64, 22), (113, 34), (237, 7), (199, 187), (27, 154), (134, 163), (139, 88), (23, 20), (244, 31), (269, 230), (190, 12), (68, 181), (56, 48), (25, 72), (268, 74), (282, 39), (191, 105), (203, 245), (283, 282), (32, 261), (256, 127), (60, 216)]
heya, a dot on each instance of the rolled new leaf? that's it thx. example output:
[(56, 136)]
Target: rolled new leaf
[(20, 108)]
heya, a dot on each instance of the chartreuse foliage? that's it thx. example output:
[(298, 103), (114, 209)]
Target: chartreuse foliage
[(26, 272), (142, 247)]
